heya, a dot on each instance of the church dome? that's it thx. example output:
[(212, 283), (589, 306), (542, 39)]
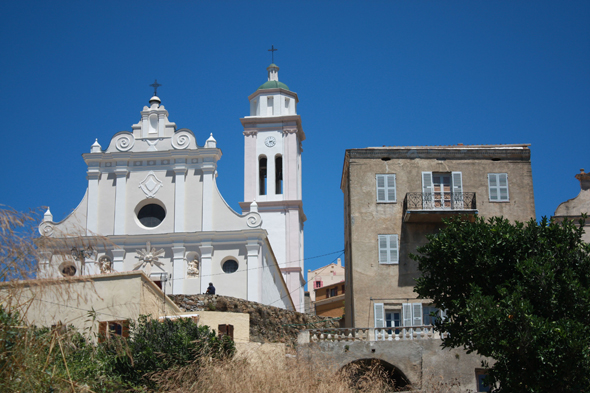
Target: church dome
[(273, 85)]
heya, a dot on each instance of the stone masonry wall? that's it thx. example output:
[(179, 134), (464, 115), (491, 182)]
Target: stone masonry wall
[(267, 323)]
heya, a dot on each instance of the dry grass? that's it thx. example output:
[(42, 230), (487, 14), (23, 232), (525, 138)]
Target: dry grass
[(269, 376)]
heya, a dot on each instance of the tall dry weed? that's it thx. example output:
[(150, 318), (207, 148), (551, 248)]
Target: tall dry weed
[(270, 376)]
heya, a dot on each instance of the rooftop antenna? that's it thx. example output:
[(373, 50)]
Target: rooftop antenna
[(272, 50), (155, 85)]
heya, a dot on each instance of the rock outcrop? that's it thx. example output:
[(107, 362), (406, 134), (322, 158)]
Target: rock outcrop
[(267, 323)]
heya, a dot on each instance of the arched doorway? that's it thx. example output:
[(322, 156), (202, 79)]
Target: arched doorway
[(366, 373)]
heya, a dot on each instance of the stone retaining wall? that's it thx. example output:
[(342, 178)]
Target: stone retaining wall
[(267, 323)]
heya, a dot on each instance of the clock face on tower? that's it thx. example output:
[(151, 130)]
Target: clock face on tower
[(270, 141)]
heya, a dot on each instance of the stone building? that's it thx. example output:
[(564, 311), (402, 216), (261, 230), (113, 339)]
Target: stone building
[(395, 196), (575, 207), (152, 198)]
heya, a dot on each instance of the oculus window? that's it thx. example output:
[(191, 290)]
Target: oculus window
[(230, 266), (151, 215)]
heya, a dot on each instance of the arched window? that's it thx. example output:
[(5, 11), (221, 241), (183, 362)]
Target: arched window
[(278, 174), (262, 175)]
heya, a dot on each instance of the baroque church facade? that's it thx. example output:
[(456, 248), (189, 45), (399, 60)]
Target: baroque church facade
[(152, 204)]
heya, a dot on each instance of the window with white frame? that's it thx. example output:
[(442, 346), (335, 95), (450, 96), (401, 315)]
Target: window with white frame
[(498, 187), (388, 249), (386, 188)]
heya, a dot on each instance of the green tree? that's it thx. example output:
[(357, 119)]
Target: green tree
[(517, 293)]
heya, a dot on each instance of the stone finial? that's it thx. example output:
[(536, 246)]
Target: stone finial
[(584, 179), (95, 148), (254, 206), (339, 262), (155, 102), (273, 72), (48, 216), (211, 142)]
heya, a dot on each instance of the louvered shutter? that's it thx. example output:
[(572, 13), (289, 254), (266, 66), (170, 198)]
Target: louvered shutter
[(416, 314), (383, 249), (407, 314), (427, 190), (493, 186), (379, 315), (503, 186), (380, 188), (393, 249), (390, 188), (457, 196)]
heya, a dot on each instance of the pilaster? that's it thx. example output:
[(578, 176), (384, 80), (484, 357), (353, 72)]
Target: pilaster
[(179, 197), (118, 260), (179, 268), (208, 169), (253, 258), (206, 261), (120, 197), (92, 213)]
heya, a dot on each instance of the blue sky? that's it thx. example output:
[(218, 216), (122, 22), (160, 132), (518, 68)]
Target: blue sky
[(367, 74)]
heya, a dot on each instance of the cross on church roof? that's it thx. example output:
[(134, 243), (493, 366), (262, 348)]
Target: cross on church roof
[(272, 50), (155, 85)]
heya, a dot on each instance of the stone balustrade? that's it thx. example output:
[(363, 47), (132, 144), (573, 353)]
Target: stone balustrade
[(400, 333)]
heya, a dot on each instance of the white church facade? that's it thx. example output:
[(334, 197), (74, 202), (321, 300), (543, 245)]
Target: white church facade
[(152, 204)]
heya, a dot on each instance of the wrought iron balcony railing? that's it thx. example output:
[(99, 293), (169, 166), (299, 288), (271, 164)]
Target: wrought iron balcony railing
[(440, 201)]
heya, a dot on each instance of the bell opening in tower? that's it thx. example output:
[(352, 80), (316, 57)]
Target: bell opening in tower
[(279, 174), (262, 175)]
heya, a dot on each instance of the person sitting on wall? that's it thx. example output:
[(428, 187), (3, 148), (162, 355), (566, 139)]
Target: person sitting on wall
[(210, 289)]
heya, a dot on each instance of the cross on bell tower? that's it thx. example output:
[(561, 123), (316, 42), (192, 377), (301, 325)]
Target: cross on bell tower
[(155, 85), (272, 50)]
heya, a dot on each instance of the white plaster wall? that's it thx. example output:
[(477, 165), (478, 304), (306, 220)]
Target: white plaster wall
[(274, 292), (274, 223), (106, 203), (224, 217), (232, 284), (193, 200), (135, 195)]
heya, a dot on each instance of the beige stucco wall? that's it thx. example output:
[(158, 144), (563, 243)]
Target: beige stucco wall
[(365, 219), (240, 321), (117, 296)]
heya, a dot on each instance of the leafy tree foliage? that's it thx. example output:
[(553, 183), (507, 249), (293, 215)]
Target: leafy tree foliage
[(156, 346), (517, 293)]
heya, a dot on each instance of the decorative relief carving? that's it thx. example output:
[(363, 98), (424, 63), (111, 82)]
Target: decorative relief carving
[(105, 265), (151, 162), (108, 164), (181, 140), (148, 257), (150, 185), (165, 162), (253, 220), (125, 142), (250, 132), (192, 268), (137, 163), (195, 160), (289, 130), (46, 229)]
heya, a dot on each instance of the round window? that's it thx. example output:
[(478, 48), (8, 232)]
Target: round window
[(68, 269), (151, 215), (230, 266)]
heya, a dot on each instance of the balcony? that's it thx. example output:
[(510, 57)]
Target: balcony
[(428, 207)]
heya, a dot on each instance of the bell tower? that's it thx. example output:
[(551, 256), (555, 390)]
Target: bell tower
[(272, 175)]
